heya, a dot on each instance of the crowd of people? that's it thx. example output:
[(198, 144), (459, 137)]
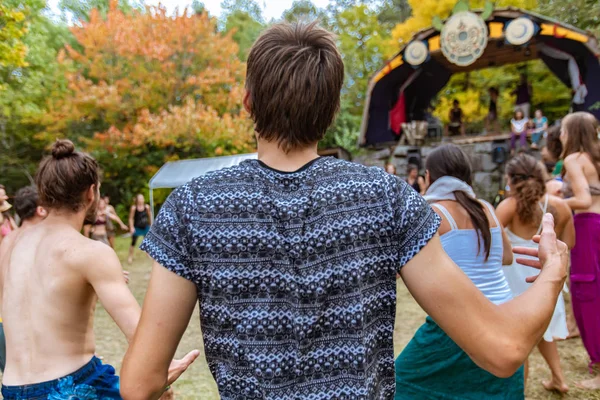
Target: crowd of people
[(293, 259)]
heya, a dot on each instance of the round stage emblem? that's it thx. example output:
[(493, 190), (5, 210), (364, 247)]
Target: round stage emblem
[(416, 53), (463, 38), (519, 31)]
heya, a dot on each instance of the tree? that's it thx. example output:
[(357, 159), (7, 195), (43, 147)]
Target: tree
[(80, 10), (24, 91), (244, 30), (304, 10), (145, 88), (12, 29), (394, 12), (584, 14), (249, 7)]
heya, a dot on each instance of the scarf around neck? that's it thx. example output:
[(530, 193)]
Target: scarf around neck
[(444, 188)]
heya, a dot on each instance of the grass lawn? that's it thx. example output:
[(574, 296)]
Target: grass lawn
[(197, 382)]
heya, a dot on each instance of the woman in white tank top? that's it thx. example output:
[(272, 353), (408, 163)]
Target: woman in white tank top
[(432, 366), (521, 214)]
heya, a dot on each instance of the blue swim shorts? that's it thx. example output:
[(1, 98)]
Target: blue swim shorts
[(93, 381)]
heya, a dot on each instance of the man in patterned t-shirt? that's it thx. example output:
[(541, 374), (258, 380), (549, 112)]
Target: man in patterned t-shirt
[(293, 257)]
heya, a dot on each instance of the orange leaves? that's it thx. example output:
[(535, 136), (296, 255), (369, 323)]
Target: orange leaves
[(150, 79)]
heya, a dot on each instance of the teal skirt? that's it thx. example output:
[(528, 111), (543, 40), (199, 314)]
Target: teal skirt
[(433, 367)]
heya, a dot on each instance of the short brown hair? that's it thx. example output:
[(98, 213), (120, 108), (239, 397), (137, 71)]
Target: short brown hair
[(294, 77), (26, 202), (63, 177)]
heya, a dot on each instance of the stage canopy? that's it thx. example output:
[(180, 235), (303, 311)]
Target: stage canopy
[(403, 89)]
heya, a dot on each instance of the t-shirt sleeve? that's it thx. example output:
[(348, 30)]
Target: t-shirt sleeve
[(416, 222), (168, 240)]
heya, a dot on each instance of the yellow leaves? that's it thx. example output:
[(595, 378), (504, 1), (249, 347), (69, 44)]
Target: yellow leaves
[(470, 102)]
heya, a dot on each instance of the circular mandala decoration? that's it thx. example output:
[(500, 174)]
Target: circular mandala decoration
[(464, 38), (416, 53), (519, 31)]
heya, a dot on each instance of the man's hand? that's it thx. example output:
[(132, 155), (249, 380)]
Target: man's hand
[(178, 367), (552, 253)]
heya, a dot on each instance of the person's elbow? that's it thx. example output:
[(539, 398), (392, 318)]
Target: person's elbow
[(505, 358), (140, 386)]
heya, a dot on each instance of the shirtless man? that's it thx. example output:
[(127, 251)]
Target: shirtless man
[(50, 277), (30, 213)]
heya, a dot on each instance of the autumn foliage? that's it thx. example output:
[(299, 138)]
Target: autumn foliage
[(150, 82)]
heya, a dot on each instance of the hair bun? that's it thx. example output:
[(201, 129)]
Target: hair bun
[(62, 148)]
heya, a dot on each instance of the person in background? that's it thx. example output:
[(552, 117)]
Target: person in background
[(110, 227), (540, 129), (50, 279), (293, 257), (523, 92), (390, 168), (99, 227), (581, 174), (518, 128), (140, 220), (415, 180), (456, 125), (432, 365), (30, 213), (492, 123), (551, 156), (521, 213), (7, 222)]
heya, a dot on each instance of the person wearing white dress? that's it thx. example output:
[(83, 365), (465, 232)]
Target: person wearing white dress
[(521, 213)]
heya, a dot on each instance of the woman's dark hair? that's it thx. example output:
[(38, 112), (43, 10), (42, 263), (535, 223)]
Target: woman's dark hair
[(63, 177), (26, 202), (411, 167), (582, 136), (450, 160), (553, 143), (528, 185)]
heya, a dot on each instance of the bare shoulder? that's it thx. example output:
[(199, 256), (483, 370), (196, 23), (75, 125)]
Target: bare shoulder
[(87, 252), (577, 158), (509, 203), (560, 205)]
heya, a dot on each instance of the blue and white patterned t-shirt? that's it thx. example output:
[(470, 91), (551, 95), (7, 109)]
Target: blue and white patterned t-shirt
[(296, 274)]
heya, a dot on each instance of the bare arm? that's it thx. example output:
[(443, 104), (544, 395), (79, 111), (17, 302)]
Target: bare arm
[(497, 338), (507, 253), (422, 185), (87, 228), (168, 306), (567, 234), (582, 198), (149, 214), (103, 271), (131, 214)]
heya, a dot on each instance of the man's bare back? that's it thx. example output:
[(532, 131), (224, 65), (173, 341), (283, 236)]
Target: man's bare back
[(50, 275)]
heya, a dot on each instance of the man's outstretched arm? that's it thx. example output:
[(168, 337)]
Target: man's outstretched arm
[(497, 338), (148, 367)]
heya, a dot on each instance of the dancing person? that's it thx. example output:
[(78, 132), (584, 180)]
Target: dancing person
[(99, 230), (432, 365), (50, 278), (491, 120), (523, 93), (456, 125), (581, 173), (140, 220), (415, 180), (293, 257), (110, 227), (521, 213), (7, 222), (518, 127), (551, 156), (540, 129), (30, 213)]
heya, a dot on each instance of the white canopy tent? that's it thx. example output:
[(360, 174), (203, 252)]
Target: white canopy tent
[(176, 173)]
